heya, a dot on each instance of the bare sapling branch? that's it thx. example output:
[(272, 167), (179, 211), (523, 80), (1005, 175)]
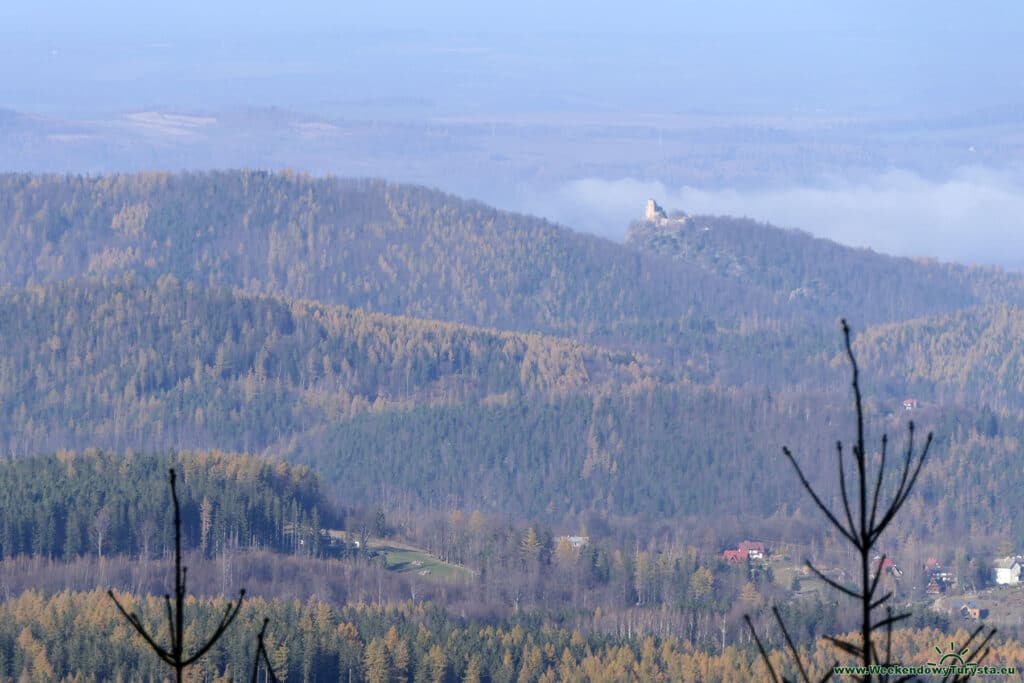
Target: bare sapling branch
[(175, 655), (862, 528)]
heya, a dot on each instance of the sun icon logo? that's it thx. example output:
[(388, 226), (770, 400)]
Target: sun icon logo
[(952, 654)]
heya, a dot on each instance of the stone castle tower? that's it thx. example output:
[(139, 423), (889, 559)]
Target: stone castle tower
[(654, 213)]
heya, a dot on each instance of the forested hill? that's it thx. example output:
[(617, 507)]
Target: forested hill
[(326, 321), (389, 248), (712, 293), (436, 414), (84, 363), (824, 278), (971, 356)]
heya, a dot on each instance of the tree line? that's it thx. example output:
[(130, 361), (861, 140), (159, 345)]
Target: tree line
[(101, 503), (45, 638)]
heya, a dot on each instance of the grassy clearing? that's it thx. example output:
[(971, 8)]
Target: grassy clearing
[(784, 570), (408, 559)]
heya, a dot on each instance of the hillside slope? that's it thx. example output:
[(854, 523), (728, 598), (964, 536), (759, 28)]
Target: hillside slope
[(826, 279), (394, 249), (233, 310), (973, 355), (711, 294), (113, 364)]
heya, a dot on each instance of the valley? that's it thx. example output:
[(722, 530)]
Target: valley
[(496, 417)]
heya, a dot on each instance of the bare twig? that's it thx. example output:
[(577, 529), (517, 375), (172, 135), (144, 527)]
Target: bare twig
[(862, 529), (261, 655), (175, 656)]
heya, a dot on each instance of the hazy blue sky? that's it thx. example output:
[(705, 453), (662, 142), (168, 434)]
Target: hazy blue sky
[(177, 16), (747, 57)]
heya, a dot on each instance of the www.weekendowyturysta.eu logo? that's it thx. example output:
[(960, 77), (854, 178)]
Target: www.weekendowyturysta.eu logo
[(951, 657), (950, 663)]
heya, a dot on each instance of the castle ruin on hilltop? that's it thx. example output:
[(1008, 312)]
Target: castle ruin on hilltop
[(654, 213)]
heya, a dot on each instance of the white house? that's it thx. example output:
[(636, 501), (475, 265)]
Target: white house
[(577, 542), (1007, 571)]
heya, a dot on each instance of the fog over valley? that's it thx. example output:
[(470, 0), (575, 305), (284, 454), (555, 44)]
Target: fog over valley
[(973, 217)]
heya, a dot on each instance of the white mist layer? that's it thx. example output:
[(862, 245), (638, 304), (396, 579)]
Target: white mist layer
[(976, 216)]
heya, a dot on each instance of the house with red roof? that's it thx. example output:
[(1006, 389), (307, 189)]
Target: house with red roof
[(747, 550), (754, 549), (888, 566)]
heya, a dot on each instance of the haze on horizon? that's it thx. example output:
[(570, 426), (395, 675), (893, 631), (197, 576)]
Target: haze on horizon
[(891, 127)]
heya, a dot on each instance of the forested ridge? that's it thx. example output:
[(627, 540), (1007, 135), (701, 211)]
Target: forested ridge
[(436, 413), (440, 414), (413, 368), (694, 293), (971, 355), (222, 310), (113, 364), (367, 244), (824, 278)]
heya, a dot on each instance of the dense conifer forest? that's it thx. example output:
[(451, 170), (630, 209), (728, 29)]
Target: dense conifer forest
[(70, 504)]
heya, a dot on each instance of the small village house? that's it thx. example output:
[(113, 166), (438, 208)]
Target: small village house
[(1007, 571), (747, 550), (887, 566), (755, 549), (970, 610), (575, 542)]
